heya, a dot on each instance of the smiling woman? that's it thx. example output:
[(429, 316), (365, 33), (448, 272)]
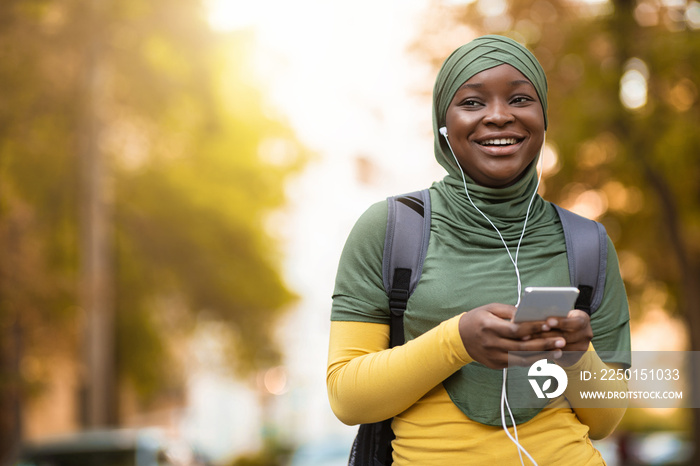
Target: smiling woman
[(491, 234)]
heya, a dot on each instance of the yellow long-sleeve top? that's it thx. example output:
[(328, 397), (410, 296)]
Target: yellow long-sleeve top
[(368, 382)]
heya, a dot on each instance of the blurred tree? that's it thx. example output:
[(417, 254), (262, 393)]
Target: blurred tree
[(624, 112), (193, 164)]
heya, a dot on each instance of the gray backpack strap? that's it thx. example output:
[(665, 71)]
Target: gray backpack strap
[(405, 246), (587, 252)]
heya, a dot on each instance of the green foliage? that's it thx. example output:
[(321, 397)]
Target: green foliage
[(189, 189)]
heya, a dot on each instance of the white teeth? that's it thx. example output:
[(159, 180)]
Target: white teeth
[(499, 142)]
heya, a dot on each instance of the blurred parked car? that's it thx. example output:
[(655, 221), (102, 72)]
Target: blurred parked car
[(124, 447)]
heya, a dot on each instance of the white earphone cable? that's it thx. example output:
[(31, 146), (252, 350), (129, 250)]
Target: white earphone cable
[(527, 213), (504, 397)]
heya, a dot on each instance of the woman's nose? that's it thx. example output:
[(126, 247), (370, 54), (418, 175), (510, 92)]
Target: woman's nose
[(498, 113)]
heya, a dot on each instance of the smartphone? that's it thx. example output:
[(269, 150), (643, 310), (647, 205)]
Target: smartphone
[(538, 303)]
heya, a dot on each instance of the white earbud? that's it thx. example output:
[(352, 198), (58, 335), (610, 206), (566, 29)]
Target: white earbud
[(443, 131)]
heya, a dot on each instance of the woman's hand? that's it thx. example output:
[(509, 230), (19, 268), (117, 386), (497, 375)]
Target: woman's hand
[(575, 328), (488, 335)]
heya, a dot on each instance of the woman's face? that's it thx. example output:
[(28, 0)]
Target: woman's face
[(495, 125)]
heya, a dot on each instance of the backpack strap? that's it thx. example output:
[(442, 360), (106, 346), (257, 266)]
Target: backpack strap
[(587, 253), (405, 247)]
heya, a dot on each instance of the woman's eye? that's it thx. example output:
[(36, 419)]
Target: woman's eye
[(522, 99), (469, 103)]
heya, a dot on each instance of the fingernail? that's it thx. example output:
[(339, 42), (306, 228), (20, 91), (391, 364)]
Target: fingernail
[(557, 354), (560, 343), (545, 327), (551, 322)]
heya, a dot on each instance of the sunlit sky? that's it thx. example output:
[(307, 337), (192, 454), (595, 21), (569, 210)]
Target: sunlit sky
[(339, 72)]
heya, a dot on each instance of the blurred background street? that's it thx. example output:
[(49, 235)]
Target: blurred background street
[(177, 180)]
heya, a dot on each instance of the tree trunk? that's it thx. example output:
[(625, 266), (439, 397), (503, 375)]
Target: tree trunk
[(689, 271), (13, 289), (99, 404), (692, 312), (10, 392)]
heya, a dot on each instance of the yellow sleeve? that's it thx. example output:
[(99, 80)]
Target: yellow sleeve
[(601, 416), (367, 382)]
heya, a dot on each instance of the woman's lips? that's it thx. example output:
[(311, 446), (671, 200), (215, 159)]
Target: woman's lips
[(501, 146)]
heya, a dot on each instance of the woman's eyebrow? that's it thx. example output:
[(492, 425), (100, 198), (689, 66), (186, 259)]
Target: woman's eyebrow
[(471, 86), (518, 82)]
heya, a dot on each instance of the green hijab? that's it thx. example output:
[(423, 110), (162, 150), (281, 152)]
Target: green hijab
[(478, 55)]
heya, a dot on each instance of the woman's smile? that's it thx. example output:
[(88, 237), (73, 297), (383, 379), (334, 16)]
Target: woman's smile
[(501, 144)]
